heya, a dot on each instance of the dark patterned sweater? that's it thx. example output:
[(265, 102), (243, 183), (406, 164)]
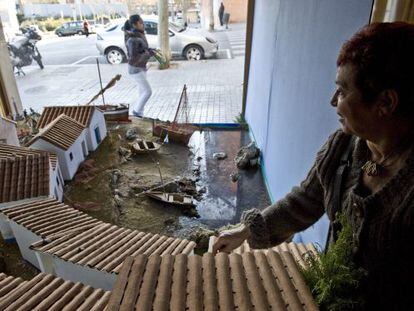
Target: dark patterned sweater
[(382, 222)]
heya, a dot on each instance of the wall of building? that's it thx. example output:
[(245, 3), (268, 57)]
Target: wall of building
[(236, 8), (8, 18), (9, 97), (8, 132), (291, 80)]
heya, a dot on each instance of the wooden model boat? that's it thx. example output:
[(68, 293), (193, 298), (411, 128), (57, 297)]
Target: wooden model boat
[(179, 135), (172, 198), (180, 130), (115, 113), (144, 146)]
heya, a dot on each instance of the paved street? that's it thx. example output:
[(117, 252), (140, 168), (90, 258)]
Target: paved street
[(214, 85), (67, 50), (75, 50)]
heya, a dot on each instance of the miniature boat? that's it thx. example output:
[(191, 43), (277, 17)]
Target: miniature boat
[(115, 113), (180, 130), (179, 135), (172, 198), (144, 146)]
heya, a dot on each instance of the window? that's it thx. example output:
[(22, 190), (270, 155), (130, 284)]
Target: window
[(113, 28), (71, 156), (151, 28)]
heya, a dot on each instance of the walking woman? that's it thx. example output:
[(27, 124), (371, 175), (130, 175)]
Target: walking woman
[(138, 55)]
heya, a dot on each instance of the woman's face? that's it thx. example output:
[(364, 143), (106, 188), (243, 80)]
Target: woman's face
[(356, 116), (139, 25)]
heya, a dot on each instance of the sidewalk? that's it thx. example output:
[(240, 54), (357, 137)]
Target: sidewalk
[(214, 88)]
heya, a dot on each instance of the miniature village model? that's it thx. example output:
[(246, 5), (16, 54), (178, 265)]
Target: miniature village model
[(89, 263)]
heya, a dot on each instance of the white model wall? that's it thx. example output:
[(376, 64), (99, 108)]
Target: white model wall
[(291, 80), (98, 120), (68, 167), (55, 187)]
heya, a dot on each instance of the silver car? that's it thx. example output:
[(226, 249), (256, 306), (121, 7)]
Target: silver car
[(193, 44)]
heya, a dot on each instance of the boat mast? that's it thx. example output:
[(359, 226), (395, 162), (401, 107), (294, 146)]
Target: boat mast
[(100, 81)]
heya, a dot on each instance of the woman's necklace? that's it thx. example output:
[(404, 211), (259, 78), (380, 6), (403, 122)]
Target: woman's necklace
[(372, 168)]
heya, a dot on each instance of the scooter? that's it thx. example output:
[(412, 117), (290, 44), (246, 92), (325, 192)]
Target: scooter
[(23, 51)]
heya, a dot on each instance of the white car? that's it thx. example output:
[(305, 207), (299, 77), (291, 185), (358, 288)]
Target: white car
[(193, 44)]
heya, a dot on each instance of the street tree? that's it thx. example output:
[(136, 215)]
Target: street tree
[(163, 32), (185, 5), (211, 15)]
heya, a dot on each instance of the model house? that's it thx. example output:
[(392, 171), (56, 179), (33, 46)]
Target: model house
[(8, 133), (26, 174), (90, 117), (66, 138)]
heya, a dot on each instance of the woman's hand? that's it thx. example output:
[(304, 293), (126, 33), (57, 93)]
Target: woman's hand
[(231, 239), (151, 51)]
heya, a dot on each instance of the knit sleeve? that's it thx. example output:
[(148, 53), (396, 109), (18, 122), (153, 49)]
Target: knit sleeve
[(298, 210), (137, 52)]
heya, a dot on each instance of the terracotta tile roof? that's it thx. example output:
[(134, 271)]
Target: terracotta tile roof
[(24, 177), (47, 292), (105, 247), (62, 132), (82, 114), (299, 251), (250, 281), (48, 218), (10, 152)]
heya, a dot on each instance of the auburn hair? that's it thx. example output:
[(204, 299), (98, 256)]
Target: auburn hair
[(383, 54)]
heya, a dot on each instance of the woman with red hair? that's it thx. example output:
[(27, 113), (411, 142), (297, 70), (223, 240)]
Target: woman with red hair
[(365, 171)]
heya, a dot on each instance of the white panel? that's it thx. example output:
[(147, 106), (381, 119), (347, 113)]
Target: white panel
[(261, 68), (292, 73)]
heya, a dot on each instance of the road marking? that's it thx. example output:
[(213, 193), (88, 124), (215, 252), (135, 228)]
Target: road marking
[(238, 47), (227, 51), (229, 54), (82, 60)]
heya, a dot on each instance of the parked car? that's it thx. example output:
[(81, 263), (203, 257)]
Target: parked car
[(193, 44), (72, 28)]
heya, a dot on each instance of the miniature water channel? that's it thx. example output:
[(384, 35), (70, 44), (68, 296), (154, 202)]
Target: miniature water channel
[(218, 200)]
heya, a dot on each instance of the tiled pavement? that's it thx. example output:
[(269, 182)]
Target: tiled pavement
[(214, 87)]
